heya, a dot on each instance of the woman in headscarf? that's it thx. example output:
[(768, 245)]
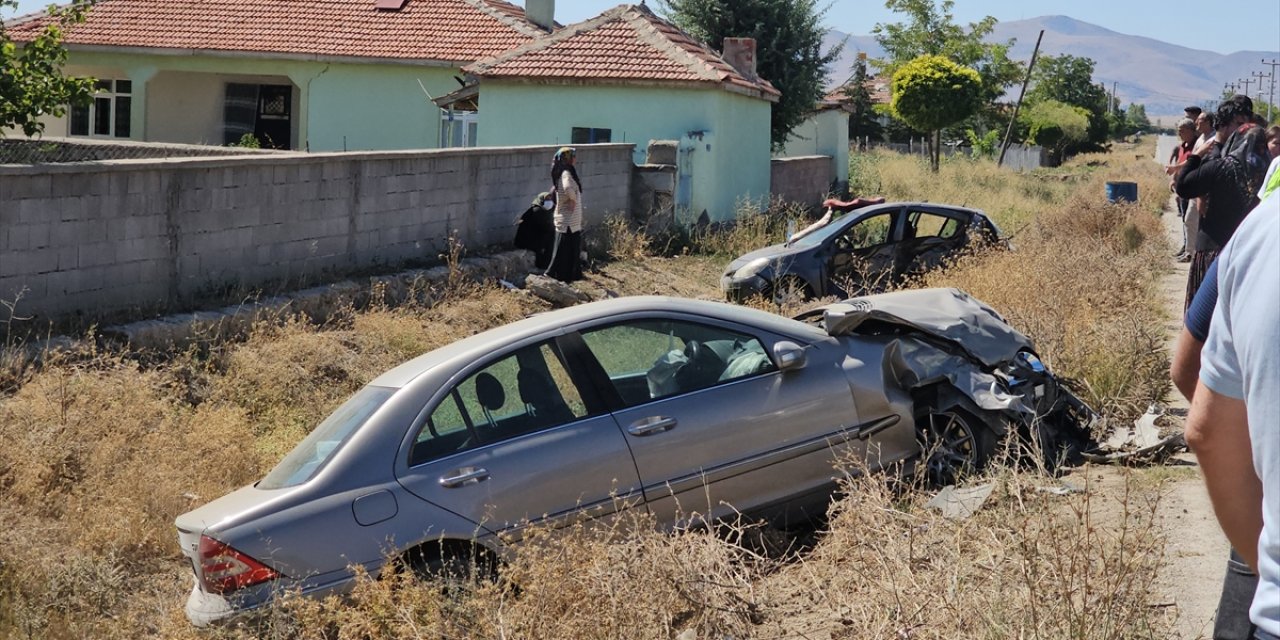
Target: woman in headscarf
[(566, 265)]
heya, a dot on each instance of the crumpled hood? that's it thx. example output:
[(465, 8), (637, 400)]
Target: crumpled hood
[(772, 251), (948, 314)]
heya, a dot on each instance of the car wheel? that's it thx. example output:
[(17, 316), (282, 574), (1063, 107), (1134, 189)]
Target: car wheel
[(954, 444), (452, 564), (790, 289)]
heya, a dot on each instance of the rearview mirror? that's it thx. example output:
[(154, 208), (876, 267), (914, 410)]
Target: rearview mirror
[(789, 355)]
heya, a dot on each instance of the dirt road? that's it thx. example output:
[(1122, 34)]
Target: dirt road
[(1197, 551)]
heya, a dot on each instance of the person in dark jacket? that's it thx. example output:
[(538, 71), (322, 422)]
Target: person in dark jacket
[(1222, 183), (535, 230)]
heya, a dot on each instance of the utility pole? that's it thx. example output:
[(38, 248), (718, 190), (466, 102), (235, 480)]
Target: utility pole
[(1008, 134), (1114, 99), (1271, 100), (1246, 82)]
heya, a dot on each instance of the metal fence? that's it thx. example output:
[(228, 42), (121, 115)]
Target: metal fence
[(61, 150), (1019, 157)]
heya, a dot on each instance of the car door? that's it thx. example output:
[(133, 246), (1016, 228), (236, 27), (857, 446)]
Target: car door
[(713, 425), (929, 237), (861, 257), (515, 442)]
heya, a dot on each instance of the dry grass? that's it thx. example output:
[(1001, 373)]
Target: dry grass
[(103, 450)]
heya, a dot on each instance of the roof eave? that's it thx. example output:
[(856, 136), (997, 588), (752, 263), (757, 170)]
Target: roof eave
[(266, 55)]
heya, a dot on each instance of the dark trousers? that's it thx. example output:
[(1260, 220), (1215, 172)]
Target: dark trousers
[(1200, 261), (566, 262), (1232, 621)]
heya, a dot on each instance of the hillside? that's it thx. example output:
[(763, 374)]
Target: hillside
[(1164, 77)]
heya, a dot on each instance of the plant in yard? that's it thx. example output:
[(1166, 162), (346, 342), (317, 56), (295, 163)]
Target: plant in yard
[(932, 92), (31, 80)]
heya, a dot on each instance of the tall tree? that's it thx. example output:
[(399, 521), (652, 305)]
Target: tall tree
[(932, 92), (31, 80), (863, 120), (1069, 79), (788, 35), (1055, 126), (930, 29)]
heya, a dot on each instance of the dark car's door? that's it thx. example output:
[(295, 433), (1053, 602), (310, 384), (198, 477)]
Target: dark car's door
[(517, 441), (860, 258), (929, 236), (713, 425)]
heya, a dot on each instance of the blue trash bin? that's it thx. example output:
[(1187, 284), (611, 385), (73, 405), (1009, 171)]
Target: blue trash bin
[(1122, 192)]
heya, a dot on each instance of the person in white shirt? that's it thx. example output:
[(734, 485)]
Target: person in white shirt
[(566, 262)]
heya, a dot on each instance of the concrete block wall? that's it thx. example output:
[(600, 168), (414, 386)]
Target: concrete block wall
[(805, 180), (110, 236)]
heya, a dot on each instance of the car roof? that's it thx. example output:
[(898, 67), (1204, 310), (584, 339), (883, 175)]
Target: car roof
[(924, 205), (484, 343)]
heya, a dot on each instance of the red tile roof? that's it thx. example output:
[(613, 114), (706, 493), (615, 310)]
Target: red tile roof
[(626, 44), (878, 88), (456, 31)]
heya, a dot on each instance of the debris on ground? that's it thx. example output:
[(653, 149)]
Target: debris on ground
[(960, 503), (1140, 445), (555, 291)]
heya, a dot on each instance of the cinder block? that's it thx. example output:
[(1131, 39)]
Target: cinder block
[(94, 254), (30, 186)]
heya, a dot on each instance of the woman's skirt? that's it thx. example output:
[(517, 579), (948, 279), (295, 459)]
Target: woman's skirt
[(566, 263)]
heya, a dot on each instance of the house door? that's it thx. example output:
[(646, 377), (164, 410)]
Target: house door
[(262, 110)]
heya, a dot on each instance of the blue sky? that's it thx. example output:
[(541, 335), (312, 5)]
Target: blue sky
[(1190, 24), (1177, 22)]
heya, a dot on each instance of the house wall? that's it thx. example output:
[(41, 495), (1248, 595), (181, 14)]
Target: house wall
[(160, 234), (825, 133), (336, 106), (724, 137)]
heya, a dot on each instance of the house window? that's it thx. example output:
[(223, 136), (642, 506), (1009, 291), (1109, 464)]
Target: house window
[(458, 128), (107, 113), (588, 135)]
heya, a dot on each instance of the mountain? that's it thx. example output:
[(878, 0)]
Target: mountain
[(1164, 77)]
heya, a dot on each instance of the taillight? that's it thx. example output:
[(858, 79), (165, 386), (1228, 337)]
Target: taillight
[(223, 569)]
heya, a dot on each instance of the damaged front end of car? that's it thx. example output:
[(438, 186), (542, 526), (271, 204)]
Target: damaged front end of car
[(960, 360)]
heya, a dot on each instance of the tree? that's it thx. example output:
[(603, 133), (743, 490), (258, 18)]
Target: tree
[(1136, 120), (1069, 79), (31, 80), (931, 30), (788, 35), (1055, 125), (863, 120), (932, 92)]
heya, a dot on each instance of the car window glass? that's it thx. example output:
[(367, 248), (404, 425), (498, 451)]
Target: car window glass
[(866, 233), (649, 359), (301, 464), (931, 225), (523, 392)]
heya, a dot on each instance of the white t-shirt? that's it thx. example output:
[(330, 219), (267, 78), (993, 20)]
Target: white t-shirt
[(1241, 359)]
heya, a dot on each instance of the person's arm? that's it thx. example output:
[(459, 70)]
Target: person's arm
[(1196, 178), (1184, 370), (1218, 433)]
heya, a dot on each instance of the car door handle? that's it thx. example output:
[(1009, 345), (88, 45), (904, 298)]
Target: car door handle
[(650, 426), (464, 476)]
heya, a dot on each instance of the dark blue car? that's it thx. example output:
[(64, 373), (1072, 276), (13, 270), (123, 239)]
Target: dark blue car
[(860, 252)]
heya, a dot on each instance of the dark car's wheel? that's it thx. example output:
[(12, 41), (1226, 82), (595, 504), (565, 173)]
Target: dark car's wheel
[(789, 289), (954, 444)]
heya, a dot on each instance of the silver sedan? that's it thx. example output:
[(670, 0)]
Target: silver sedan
[(691, 410)]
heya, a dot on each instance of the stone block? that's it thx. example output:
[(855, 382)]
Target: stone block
[(94, 254)]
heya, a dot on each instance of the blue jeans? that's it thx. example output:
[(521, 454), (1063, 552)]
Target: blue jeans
[(1232, 621)]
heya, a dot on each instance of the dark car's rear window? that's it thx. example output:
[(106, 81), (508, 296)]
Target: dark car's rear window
[(306, 459)]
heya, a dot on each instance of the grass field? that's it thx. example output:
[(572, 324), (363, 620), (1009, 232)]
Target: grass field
[(103, 449)]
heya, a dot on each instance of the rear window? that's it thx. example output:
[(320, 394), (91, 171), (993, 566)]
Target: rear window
[(306, 459)]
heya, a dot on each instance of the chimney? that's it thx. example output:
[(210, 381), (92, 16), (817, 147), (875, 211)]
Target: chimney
[(740, 53), (541, 13)]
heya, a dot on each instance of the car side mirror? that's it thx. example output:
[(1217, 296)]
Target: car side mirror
[(789, 355)]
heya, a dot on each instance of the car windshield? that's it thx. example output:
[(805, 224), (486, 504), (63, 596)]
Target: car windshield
[(306, 459), (833, 228)]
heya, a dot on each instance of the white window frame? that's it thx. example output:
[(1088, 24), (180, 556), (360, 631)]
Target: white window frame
[(468, 120), (112, 94)]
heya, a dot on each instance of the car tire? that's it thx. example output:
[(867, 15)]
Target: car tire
[(789, 289), (954, 444), (454, 564)]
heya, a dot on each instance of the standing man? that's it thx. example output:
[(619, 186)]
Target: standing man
[(1234, 424)]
